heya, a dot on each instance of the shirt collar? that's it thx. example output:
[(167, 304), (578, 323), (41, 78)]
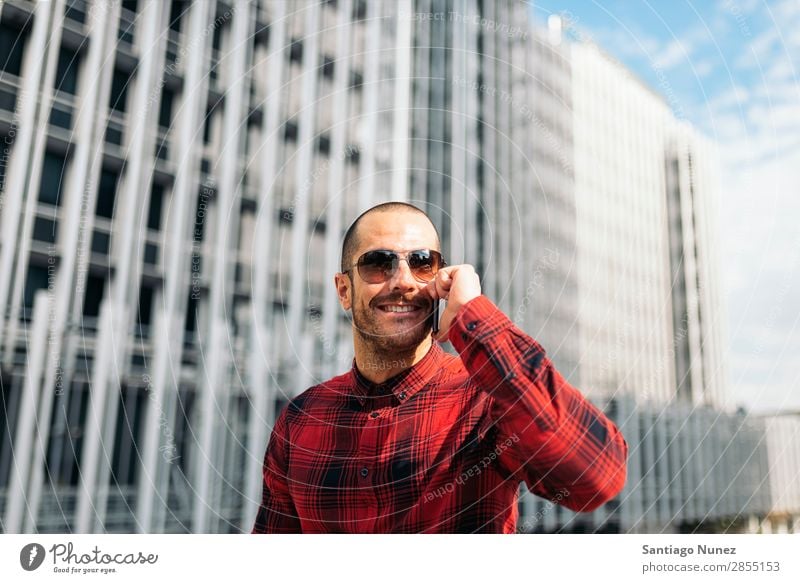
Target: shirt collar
[(404, 384)]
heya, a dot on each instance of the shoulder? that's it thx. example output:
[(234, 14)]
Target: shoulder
[(452, 373), (323, 395), (452, 365)]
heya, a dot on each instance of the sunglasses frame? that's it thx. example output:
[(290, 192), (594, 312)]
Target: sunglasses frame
[(398, 257)]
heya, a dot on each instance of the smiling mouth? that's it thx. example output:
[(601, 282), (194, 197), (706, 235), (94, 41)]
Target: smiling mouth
[(399, 309)]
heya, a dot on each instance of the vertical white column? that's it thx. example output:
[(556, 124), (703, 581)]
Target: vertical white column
[(18, 510), (369, 120), (420, 33), (336, 190), (458, 135), (305, 157), (402, 99), (518, 181), (217, 353), (260, 359), (489, 196), (503, 165), (112, 352), (78, 216), (472, 153), (108, 344), (24, 174), (168, 346)]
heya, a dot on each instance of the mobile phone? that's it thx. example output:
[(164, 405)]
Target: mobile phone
[(435, 316)]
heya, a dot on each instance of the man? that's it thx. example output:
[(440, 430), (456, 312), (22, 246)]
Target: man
[(415, 440)]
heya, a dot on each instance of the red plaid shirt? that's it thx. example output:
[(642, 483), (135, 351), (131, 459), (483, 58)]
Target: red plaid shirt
[(442, 446)]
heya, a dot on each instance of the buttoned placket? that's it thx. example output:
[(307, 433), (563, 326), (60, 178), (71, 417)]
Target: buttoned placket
[(368, 445), (376, 409)]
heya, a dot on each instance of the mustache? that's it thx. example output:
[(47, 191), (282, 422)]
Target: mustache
[(417, 300)]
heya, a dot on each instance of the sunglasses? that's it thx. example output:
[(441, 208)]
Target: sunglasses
[(380, 265)]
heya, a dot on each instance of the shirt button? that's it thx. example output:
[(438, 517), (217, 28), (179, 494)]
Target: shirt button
[(364, 472), (374, 414), (402, 395), (471, 326)]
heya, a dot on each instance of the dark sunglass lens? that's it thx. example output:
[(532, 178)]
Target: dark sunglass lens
[(424, 264), (376, 266)]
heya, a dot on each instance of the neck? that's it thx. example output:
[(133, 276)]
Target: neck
[(378, 365)]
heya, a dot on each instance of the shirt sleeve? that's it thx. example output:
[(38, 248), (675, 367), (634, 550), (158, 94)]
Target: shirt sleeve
[(277, 513), (548, 433)]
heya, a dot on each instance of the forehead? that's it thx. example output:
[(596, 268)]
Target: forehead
[(399, 231)]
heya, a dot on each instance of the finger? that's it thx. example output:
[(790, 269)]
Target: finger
[(443, 283), (430, 289)]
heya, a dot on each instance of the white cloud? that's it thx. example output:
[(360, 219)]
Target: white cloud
[(627, 44), (736, 96), (781, 92), (736, 7), (787, 10), (703, 68), (677, 51), (758, 52), (780, 70)]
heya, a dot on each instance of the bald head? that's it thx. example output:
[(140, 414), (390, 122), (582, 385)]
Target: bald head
[(351, 238)]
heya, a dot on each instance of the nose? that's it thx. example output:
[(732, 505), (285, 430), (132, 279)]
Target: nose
[(402, 279)]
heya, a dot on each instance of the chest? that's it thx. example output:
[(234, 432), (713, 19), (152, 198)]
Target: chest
[(386, 457)]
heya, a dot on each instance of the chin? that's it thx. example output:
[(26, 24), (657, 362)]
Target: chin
[(398, 341)]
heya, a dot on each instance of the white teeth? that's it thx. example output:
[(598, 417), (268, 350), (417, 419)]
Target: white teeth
[(398, 308)]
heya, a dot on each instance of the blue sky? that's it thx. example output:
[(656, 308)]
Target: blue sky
[(732, 69)]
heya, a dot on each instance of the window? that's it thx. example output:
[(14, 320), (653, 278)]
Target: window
[(127, 442), (324, 144), (44, 230), (119, 90), (184, 438), (52, 178), (296, 51), (216, 41), (145, 313), (356, 80), (290, 131), (93, 297), (106, 194), (190, 323), (8, 423), (127, 21), (65, 445), (200, 215), (76, 10), (5, 154), (150, 254), (36, 280), (165, 114), (8, 100), (327, 67), (208, 128), (12, 45), (154, 214), (360, 10), (100, 242), (353, 155), (176, 12)]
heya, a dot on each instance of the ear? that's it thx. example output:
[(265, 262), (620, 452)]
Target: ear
[(343, 289)]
